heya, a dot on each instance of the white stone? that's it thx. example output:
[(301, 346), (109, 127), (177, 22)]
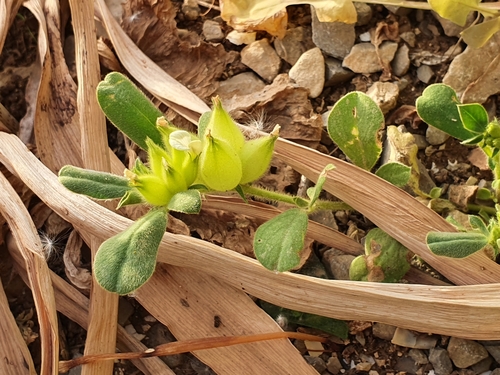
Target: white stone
[(212, 31), (425, 73), (401, 62), (309, 72), (239, 38), (363, 57), (239, 85), (262, 59), (385, 94), (435, 136)]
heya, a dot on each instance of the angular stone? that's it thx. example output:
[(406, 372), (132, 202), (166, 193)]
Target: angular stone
[(296, 41), (262, 59), (440, 361), (333, 365), (337, 263), (425, 73), (401, 62), (335, 74), (238, 38), (418, 356), (385, 94), (383, 331), (469, 69), (363, 57), (364, 12), (240, 84), (309, 72), (436, 136), (494, 350), (212, 31), (465, 353), (334, 38)]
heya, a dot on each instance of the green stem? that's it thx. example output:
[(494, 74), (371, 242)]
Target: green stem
[(286, 198), (478, 207)]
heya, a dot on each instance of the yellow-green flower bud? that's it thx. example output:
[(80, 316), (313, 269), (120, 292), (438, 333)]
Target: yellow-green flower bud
[(221, 126), (493, 130), (158, 159), (219, 165), (154, 189), (256, 156)]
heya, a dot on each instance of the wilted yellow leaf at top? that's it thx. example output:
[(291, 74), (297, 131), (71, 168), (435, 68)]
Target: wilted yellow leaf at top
[(243, 13), (454, 10), (477, 35)]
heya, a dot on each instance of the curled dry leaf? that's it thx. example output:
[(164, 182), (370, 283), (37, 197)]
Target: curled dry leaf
[(282, 103), (80, 277), (254, 15), (194, 63)]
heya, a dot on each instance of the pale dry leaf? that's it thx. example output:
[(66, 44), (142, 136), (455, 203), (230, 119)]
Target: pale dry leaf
[(78, 276), (8, 10), (107, 58), (243, 15), (194, 63)]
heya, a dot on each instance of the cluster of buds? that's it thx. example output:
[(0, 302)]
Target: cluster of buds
[(220, 158)]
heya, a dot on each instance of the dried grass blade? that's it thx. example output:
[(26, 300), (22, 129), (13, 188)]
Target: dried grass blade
[(16, 358), (75, 306), (101, 334), (8, 10), (25, 235), (401, 216), (150, 75), (398, 304)]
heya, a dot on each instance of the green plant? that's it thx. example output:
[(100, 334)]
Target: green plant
[(440, 107), (181, 166)]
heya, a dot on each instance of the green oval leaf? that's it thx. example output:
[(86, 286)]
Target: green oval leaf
[(438, 107), (278, 242), (474, 117), (314, 192), (354, 124), (188, 202), (334, 327), (397, 174), (126, 261), (456, 245), (129, 109), (95, 184)]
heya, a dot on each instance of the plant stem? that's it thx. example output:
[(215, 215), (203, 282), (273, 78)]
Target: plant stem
[(478, 207), (286, 198)]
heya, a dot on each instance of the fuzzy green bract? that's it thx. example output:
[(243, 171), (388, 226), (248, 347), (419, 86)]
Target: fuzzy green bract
[(354, 125), (438, 106), (126, 261), (278, 242)]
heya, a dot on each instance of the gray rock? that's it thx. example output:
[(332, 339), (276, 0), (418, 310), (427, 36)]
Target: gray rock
[(334, 38), (296, 41), (385, 94), (480, 66), (333, 365), (401, 62), (337, 263), (383, 331), (452, 29), (316, 362), (324, 217), (435, 136), (482, 366), (309, 72), (406, 365), (335, 74), (494, 350), (363, 57), (420, 141), (465, 353), (191, 10), (409, 37), (425, 73), (495, 371), (239, 85), (212, 31), (408, 339), (364, 12), (418, 356), (440, 361), (159, 334), (262, 59)]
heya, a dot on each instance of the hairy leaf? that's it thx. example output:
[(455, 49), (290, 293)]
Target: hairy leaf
[(397, 174), (126, 261), (95, 184), (188, 202), (456, 245)]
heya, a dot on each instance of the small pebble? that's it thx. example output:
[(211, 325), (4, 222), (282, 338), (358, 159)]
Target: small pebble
[(425, 73), (262, 59), (309, 72), (212, 31)]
